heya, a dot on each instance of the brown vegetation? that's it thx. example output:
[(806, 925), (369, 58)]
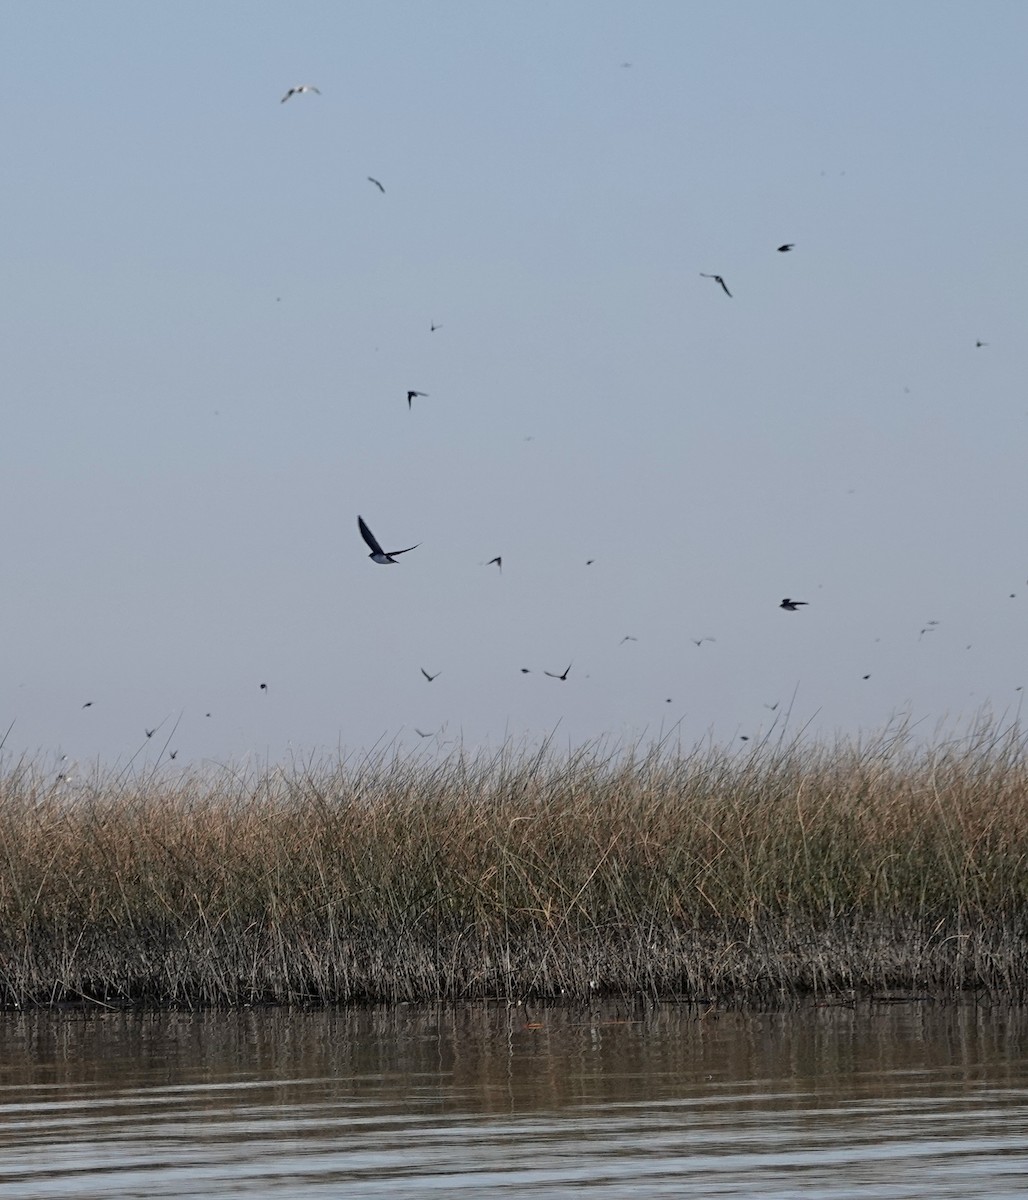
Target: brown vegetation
[(775, 872)]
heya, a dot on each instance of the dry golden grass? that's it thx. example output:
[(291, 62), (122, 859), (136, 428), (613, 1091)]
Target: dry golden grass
[(780, 871)]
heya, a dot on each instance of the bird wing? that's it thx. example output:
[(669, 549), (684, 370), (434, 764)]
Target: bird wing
[(725, 286), (369, 537), (393, 553)]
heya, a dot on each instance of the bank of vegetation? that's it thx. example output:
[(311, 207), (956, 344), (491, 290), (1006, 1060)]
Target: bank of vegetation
[(714, 876)]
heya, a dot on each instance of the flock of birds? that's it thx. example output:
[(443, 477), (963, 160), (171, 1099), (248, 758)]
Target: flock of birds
[(391, 557)]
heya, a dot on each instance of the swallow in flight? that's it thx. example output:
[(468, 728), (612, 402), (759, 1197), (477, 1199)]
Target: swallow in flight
[(792, 605), (420, 734), (377, 553), (562, 677), (372, 179), (298, 91), (433, 327), (786, 248), (717, 279), (429, 677), (410, 397), (499, 562)]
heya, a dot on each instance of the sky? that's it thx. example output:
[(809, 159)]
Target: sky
[(211, 319)]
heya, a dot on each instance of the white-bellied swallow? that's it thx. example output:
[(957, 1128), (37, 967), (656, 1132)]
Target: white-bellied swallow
[(429, 677), (377, 553), (299, 90), (562, 677), (410, 396), (792, 605), (372, 179), (717, 279), (784, 249)]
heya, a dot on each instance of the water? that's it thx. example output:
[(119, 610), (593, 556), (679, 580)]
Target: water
[(910, 1100)]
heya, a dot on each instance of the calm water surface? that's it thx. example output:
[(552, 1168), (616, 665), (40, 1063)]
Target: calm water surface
[(911, 1100)]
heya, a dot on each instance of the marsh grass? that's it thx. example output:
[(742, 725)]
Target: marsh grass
[(711, 875)]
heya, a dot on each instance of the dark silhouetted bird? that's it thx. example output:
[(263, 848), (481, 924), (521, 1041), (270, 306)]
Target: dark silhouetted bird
[(792, 605), (627, 638), (429, 677), (410, 397), (372, 179), (564, 676), (173, 754), (299, 91), (433, 327), (420, 734), (499, 562), (525, 671), (377, 553), (88, 704), (979, 345), (700, 641), (264, 687), (784, 249), (149, 732), (717, 279)]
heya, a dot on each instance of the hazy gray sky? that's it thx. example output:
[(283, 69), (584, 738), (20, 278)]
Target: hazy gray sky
[(211, 319)]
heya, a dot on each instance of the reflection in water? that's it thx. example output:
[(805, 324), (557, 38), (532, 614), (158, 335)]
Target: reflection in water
[(482, 1100)]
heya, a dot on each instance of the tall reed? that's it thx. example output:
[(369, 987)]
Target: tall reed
[(717, 875)]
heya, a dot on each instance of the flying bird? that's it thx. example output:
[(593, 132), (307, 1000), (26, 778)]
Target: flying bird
[(700, 641), (792, 605), (411, 395), (499, 562), (784, 249), (627, 638), (526, 671), (173, 754), (717, 279), (299, 90), (377, 553), (427, 676), (420, 734), (150, 732), (264, 688), (979, 345), (433, 327), (562, 677), (88, 704), (372, 179)]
